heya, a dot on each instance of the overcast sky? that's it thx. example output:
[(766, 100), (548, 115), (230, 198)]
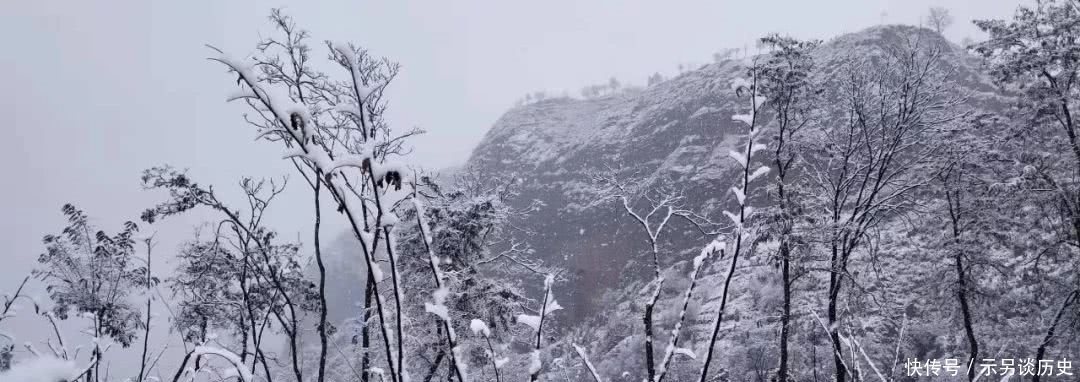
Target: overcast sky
[(96, 91)]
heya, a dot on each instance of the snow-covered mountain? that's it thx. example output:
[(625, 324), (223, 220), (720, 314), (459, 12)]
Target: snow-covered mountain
[(677, 132)]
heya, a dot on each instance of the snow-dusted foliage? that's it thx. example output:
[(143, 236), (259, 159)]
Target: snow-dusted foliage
[(741, 234), (548, 305), (892, 274), (448, 240), (252, 289), (335, 137), (93, 276), (818, 212)]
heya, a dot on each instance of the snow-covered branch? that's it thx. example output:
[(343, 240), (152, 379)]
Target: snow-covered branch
[(749, 87)]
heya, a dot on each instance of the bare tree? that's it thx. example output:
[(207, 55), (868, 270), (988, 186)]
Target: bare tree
[(336, 136), (866, 170), (662, 205), (976, 213), (148, 282), (939, 18), (785, 80), (957, 185)]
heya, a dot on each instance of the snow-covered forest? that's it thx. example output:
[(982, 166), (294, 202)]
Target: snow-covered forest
[(885, 205)]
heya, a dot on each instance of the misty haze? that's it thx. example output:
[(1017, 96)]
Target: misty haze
[(491, 191)]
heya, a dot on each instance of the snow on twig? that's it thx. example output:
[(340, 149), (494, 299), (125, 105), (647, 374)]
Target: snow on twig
[(588, 365)]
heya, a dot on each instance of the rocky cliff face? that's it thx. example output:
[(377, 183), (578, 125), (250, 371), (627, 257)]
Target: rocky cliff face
[(678, 131)]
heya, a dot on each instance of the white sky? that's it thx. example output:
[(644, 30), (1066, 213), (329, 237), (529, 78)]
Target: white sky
[(96, 91)]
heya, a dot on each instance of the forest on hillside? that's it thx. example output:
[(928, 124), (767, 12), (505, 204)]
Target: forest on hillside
[(888, 206)]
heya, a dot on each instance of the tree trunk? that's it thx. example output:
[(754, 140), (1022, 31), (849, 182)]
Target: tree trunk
[(965, 310), (146, 334), (720, 315), (365, 338), (650, 366), (1053, 327), (834, 294), (785, 316), (322, 284)]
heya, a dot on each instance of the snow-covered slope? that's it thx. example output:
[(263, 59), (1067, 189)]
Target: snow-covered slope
[(673, 131), (676, 131), (679, 132)]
